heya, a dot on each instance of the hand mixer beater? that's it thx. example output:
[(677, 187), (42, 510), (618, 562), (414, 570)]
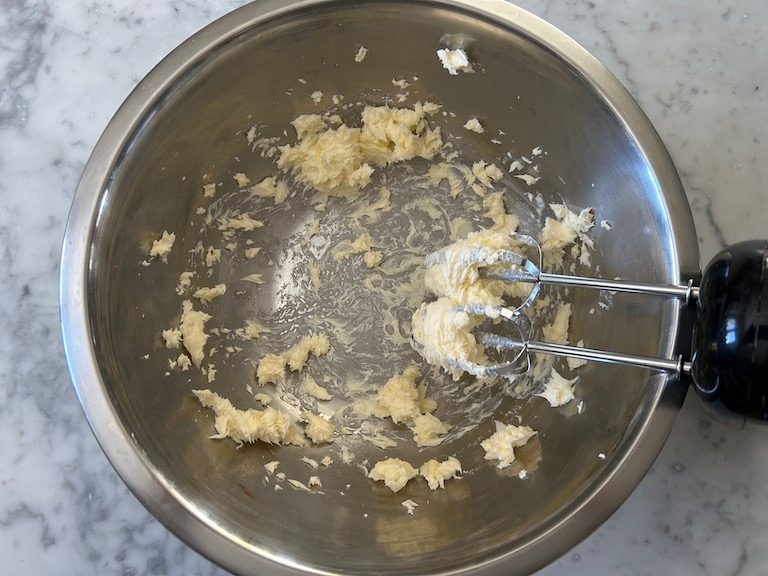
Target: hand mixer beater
[(729, 355)]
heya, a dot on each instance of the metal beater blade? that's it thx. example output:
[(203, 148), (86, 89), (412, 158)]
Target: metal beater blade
[(521, 268), (524, 347), (516, 267), (519, 324)]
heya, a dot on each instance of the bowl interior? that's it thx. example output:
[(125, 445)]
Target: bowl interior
[(195, 133)]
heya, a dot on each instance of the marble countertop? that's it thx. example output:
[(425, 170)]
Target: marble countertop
[(699, 69)]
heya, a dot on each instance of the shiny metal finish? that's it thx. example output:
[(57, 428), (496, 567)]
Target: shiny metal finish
[(686, 292), (182, 121), (674, 365), (516, 267)]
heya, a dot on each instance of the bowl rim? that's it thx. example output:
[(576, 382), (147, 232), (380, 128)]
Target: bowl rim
[(155, 491)]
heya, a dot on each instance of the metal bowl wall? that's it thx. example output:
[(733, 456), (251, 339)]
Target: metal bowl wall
[(181, 122)]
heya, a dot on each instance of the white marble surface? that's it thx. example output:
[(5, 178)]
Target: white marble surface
[(699, 68)]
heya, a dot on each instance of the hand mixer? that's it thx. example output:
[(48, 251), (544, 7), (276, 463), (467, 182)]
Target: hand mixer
[(729, 356)]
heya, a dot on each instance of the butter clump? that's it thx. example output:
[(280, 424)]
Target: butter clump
[(436, 473), (557, 331), (271, 367), (458, 278), (454, 61), (568, 229), (340, 161), (404, 402), (500, 445), (192, 328), (162, 246), (399, 398), (206, 295), (444, 336), (312, 388), (318, 429), (395, 473), (271, 188), (269, 425), (558, 390)]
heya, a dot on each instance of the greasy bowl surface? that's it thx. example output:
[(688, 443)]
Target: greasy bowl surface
[(188, 117)]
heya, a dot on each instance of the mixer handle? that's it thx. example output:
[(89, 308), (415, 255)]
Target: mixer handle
[(730, 334)]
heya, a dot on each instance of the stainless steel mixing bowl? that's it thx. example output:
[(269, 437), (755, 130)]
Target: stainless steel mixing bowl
[(188, 117)]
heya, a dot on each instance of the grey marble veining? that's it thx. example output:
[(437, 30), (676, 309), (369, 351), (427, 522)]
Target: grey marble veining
[(699, 69)]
